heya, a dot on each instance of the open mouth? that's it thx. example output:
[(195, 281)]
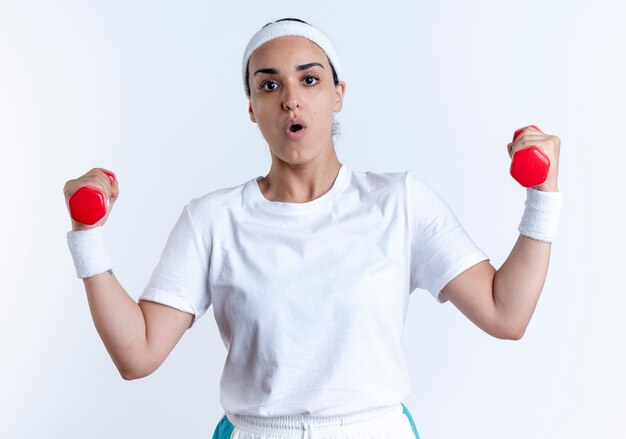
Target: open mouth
[(295, 128)]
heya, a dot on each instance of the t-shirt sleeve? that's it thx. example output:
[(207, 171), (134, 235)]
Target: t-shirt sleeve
[(440, 248), (180, 279)]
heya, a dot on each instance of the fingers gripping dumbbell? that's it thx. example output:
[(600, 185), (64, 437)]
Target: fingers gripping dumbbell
[(529, 166), (89, 205)]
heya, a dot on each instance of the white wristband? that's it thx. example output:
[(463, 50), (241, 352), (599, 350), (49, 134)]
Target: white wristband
[(541, 215), (88, 252)]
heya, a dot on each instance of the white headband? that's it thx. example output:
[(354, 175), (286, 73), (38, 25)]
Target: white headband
[(287, 28)]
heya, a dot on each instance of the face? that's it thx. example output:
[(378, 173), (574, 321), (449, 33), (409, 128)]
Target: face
[(290, 77)]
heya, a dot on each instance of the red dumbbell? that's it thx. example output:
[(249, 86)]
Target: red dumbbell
[(88, 204), (530, 165)]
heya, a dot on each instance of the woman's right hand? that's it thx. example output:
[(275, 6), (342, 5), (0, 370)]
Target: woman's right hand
[(96, 179)]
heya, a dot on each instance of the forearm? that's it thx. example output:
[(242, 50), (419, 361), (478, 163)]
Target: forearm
[(518, 283), (119, 322)]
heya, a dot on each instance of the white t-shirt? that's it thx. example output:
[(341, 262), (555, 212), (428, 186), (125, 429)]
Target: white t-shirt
[(310, 298)]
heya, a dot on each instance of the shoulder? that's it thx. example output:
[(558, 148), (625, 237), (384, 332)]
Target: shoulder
[(427, 208), (422, 193), (378, 182), (404, 185), (417, 187), (211, 205)]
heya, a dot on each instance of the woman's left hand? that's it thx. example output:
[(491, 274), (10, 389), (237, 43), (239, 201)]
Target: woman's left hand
[(549, 145)]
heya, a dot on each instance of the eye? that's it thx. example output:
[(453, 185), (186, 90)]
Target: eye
[(264, 83), (307, 77)]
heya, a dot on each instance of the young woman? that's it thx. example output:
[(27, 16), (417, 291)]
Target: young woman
[(309, 268)]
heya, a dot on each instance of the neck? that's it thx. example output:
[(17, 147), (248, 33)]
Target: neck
[(299, 183)]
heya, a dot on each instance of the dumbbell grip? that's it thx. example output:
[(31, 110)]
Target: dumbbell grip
[(529, 166), (88, 204)]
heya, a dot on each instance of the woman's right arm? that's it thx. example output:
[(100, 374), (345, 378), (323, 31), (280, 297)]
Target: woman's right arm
[(137, 336)]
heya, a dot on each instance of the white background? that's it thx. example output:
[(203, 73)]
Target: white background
[(152, 90)]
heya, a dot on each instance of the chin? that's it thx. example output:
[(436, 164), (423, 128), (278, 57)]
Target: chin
[(294, 156)]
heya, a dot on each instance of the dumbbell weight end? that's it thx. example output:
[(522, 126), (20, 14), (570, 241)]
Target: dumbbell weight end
[(529, 166), (88, 204)]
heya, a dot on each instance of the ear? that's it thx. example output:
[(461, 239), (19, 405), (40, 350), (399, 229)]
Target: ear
[(251, 113), (340, 89)]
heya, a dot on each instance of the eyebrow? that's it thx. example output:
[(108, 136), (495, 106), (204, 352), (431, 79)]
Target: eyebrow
[(274, 71)]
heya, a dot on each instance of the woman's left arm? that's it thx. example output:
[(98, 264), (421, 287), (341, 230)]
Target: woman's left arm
[(502, 302)]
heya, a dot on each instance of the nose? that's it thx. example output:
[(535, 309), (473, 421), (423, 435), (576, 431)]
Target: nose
[(291, 99)]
